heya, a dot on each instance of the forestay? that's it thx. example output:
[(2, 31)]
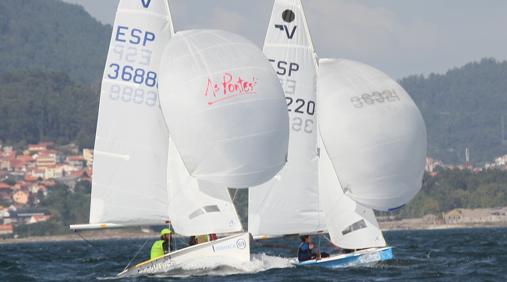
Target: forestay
[(373, 132), (129, 181), (350, 225), (197, 207), (224, 108), (289, 203)]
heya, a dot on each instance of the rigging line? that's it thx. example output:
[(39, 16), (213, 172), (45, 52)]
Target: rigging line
[(331, 242), (137, 253), (90, 244), (83, 238), (319, 245), (234, 196)]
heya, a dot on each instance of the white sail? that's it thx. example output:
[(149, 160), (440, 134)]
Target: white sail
[(350, 225), (198, 207), (373, 132), (289, 203), (224, 108), (129, 181)]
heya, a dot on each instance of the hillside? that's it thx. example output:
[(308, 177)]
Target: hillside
[(37, 106), (50, 35), (464, 108)]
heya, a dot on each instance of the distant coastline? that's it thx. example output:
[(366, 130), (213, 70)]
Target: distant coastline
[(404, 225), (87, 235), (398, 225)]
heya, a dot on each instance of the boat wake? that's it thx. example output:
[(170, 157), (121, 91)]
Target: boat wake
[(258, 263)]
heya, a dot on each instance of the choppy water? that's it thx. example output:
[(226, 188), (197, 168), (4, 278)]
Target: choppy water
[(443, 255)]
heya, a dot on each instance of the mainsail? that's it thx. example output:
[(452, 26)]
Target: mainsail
[(224, 107), (132, 138), (289, 203), (373, 132)]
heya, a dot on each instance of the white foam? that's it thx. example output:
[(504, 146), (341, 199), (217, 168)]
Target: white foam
[(258, 263)]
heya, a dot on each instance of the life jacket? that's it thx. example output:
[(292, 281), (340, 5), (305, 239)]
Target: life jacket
[(160, 248), (157, 249)]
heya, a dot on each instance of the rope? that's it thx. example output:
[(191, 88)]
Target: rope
[(83, 238), (137, 253), (91, 245), (235, 193)]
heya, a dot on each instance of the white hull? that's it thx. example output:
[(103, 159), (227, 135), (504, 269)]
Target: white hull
[(225, 251)]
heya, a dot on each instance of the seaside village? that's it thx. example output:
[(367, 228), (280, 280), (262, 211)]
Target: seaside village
[(27, 174)]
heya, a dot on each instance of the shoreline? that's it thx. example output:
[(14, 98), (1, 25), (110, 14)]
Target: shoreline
[(96, 235), (99, 235), (406, 226)]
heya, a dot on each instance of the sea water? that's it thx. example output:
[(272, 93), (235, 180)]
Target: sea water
[(432, 255)]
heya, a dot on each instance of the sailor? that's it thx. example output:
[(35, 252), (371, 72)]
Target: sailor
[(164, 245), (194, 240), (305, 250)]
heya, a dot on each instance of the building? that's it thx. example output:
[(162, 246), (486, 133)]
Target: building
[(37, 148), (6, 230), (88, 156), (46, 159), (21, 197), (432, 164), (75, 162), (461, 216)]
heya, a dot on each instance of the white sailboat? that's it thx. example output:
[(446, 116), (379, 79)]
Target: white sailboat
[(220, 99), (372, 155), (360, 172)]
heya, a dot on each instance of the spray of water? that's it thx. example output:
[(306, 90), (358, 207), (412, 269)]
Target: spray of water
[(258, 263)]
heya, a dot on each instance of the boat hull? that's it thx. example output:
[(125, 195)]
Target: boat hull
[(224, 251), (358, 258)]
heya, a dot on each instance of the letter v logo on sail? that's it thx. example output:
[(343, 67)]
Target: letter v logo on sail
[(146, 3)]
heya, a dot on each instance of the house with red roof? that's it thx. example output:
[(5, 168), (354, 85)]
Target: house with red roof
[(6, 229)]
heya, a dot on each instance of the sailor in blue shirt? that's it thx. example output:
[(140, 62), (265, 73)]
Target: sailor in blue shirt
[(305, 250)]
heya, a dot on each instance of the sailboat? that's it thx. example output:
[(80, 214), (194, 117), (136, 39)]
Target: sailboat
[(183, 117), (357, 143)]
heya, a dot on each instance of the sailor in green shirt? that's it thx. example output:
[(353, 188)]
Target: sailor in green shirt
[(162, 246)]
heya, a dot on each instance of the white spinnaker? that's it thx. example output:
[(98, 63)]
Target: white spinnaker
[(129, 179), (373, 132), (224, 108), (198, 207), (350, 225), (289, 203)]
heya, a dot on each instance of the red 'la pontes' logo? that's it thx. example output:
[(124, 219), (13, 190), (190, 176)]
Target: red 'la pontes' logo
[(228, 87)]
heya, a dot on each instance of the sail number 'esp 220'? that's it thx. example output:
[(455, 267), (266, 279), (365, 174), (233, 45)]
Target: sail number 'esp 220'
[(301, 111)]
